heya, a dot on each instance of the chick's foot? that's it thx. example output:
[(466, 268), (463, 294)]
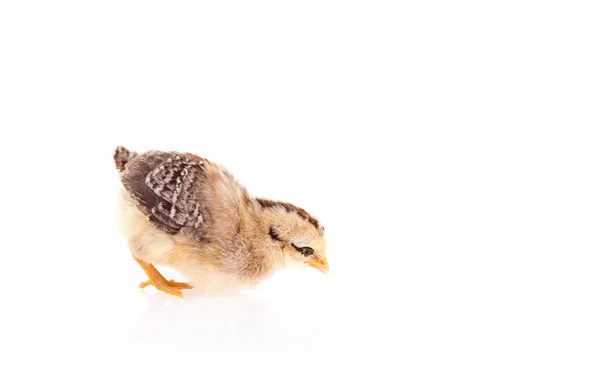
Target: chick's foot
[(159, 282), (170, 283)]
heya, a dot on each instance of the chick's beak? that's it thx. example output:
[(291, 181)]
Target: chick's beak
[(319, 263)]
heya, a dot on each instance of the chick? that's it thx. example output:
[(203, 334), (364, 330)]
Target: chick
[(186, 212)]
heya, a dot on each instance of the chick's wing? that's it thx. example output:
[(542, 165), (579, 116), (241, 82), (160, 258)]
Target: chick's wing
[(166, 187)]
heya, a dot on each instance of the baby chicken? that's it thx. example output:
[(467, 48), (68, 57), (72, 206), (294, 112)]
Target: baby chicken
[(186, 212)]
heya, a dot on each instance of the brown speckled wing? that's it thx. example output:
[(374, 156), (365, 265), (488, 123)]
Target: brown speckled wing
[(166, 188)]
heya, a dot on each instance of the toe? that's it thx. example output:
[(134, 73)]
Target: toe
[(179, 285), (173, 291)]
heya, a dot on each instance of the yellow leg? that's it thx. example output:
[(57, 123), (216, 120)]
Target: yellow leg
[(159, 282)]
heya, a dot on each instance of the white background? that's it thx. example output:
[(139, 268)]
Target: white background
[(450, 149)]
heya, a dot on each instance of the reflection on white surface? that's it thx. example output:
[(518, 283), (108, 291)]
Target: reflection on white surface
[(223, 324)]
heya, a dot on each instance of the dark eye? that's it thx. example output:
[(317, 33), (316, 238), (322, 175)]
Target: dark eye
[(305, 251)]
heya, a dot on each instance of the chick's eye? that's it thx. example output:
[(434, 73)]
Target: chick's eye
[(305, 251)]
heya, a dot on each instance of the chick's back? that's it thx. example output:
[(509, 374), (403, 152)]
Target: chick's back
[(184, 194)]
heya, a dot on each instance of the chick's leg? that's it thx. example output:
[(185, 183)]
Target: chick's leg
[(159, 282)]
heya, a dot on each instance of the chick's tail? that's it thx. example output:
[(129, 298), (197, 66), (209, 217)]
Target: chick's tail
[(122, 156)]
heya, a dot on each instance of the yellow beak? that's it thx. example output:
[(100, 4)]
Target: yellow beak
[(320, 264)]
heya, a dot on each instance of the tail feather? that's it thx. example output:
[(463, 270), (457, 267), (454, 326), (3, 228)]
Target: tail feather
[(122, 156)]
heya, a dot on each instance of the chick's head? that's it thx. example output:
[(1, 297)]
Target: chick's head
[(296, 236)]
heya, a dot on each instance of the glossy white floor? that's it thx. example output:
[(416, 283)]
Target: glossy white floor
[(410, 303), (450, 149)]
